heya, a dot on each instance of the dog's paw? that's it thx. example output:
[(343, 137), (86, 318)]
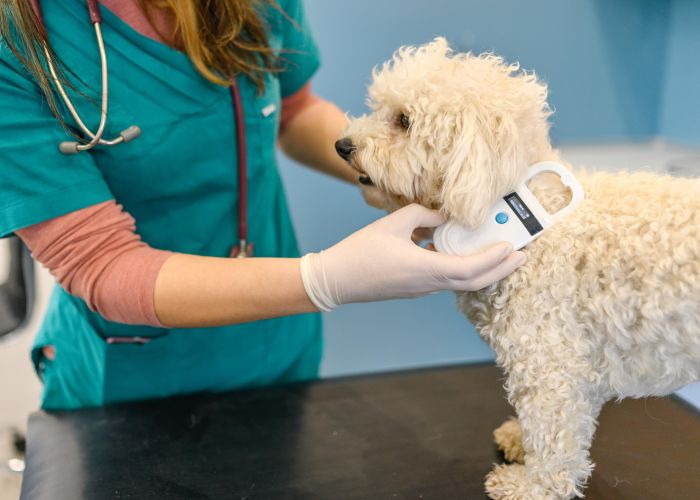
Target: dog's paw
[(509, 439), (511, 482)]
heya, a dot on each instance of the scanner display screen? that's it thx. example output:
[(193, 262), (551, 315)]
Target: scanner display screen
[(530, 222), (519, 207)]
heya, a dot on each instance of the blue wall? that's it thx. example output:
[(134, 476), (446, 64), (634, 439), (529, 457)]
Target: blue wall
[(594, 53), (605, 61), (680, 121)]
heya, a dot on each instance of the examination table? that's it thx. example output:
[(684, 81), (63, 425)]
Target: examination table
[(413, 435)]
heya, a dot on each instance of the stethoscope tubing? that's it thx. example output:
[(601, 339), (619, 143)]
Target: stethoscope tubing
[(96, 138), (243, 248), (72, 147), (241, 151)]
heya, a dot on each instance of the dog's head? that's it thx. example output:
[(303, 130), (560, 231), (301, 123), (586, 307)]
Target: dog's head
[(449, 131)]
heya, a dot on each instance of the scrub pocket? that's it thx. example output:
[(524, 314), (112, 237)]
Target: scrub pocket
[(87, 370), (135, 371), (101, 373)]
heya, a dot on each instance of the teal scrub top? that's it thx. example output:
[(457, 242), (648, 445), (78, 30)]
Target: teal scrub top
[(178, 180)]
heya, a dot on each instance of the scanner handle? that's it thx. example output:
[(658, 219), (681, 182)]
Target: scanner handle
[(567, 178)]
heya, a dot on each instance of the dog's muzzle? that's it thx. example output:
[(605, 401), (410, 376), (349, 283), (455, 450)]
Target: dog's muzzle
[(345, 148)]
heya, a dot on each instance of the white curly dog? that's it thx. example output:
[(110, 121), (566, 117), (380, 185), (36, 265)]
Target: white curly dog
[(608, 305)]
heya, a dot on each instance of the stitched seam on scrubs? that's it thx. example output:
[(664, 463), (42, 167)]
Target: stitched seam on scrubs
[(49, 193), (10, 216)]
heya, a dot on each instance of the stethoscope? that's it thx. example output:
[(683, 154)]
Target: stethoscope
[(244, 248)]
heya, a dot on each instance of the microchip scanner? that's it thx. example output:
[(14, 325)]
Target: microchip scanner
[(518, 217)]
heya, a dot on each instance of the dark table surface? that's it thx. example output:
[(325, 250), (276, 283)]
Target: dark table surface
[(414, 435)]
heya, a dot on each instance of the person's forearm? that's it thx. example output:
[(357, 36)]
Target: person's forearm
[(194, 291), (310, 137)]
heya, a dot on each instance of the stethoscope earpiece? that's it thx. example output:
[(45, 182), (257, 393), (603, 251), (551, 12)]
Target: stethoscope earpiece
[(69, 148), (130, 133), (126, 135)]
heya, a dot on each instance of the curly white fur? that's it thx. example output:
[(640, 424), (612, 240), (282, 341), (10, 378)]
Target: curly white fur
[(608, 305)]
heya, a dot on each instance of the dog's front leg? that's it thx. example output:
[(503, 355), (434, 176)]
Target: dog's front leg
[(557, 415)]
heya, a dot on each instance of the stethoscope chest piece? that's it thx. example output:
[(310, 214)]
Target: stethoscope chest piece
[(247, 251)]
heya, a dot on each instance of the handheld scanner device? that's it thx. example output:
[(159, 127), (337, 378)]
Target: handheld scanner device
[(517, 218)]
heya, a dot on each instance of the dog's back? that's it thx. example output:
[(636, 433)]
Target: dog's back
[(619, 279)]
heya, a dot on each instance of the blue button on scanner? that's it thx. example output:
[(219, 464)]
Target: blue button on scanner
[(501, 217)]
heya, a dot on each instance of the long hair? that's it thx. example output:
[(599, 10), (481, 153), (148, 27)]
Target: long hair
[(222, 38)]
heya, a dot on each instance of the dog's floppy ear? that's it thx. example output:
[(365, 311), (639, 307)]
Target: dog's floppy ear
[(500, 128), (483, 162)]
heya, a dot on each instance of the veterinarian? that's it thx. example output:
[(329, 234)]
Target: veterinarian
[(140, 232)]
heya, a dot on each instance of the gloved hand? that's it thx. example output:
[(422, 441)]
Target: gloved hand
[(375, 198), (381, 262)]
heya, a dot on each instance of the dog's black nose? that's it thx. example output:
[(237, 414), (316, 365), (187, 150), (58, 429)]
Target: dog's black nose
[(345, 148)]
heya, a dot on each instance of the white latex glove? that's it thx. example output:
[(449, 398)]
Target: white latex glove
[(374, 198), (381, 262)]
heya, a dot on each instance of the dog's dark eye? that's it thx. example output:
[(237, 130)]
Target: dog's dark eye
[(403, 121)]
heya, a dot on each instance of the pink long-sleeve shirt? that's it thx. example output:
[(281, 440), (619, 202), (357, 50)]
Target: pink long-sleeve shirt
[(95, 253)]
